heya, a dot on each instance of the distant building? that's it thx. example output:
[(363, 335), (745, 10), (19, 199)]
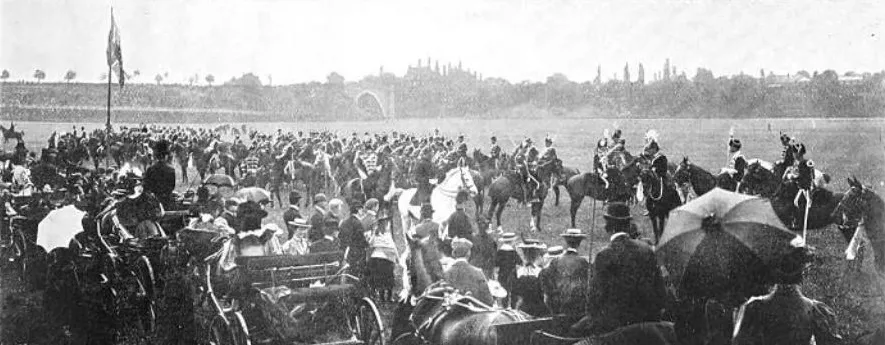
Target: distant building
[(775, 81), (851, 79)]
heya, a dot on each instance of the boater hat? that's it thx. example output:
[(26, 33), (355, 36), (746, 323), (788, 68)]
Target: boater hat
[(508, 237), (573, 233)]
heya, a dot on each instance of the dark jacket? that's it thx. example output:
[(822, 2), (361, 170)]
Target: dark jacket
[(351, 235), (160, 180), (424, 171), (324, 245), (787, 317), (459, 225), (626, 287), (290, 215), (565, 282), (317, 221), (469, 279), (232, 221)]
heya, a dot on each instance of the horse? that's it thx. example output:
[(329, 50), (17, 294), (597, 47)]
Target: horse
[(592, 185), (758, 180), (441, 315), (10, 133), (221, 161), (562, 180), (489, 170), (442, 198), (660, 199), (376, 185), (700, 180), (791, 211), (510, 185), (861, 206)]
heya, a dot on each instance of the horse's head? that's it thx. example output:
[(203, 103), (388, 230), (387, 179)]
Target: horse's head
[(630, 172), (459, 179), (683, 172), (854, 204)]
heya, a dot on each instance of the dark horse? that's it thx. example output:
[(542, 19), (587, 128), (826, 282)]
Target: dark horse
[(488, 171), (792, 213), (701, 181), (10, 133), (562, 180), (660, 199), (442, 315), (510, 186), (619, 188), (376, 185), (860, 205), (760, 181)]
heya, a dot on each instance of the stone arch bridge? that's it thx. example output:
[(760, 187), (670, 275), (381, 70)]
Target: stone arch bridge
[(374, 100)]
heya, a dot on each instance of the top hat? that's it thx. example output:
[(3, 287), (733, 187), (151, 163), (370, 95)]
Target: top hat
[(617, 211)]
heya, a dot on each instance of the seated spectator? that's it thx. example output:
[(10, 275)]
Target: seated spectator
[(297, 243)]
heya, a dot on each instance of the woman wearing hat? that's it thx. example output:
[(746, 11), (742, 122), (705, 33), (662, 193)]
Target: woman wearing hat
[(382, 259), (786, 316), (737, 164), (526, 293), (506, 260)]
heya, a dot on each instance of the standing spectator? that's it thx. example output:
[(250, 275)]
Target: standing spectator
[(484, 247), (506, 260), (527, 294), (230, 214), (159, 178), (464, 276), (293, 212), (369, 215), (459, 224), (382, 259), (327, 243), (626, 287), (318, 219), (353, 240), (786, 316), (565, 280)]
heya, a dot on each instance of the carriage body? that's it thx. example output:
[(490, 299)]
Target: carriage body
[(292, 299)]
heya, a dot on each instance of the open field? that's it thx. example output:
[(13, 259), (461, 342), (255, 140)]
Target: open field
[(843, 147)]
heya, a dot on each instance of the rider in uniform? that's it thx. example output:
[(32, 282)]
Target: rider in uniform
[(658, 160), (425, 171), (737, 164), (530, 166), (495, 152), (599, 161), (548, 156), (456, 156)]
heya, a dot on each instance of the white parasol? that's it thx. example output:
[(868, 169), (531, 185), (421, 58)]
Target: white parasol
[(59, 227)]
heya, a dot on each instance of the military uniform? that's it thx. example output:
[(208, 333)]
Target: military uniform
[(737, 164), (424, 172)]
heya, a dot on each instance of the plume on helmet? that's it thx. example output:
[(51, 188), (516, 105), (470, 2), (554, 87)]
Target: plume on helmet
[(731, 131), (651, 135), (606, 133)]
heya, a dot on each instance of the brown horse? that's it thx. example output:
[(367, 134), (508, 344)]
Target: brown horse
[(619, 188), (760, 181), (510, 185), (10, 133), (701, 181), (860, 205), (660, 199), (562, 180)]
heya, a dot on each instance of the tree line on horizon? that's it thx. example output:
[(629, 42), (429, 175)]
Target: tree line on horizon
[(424, 93)]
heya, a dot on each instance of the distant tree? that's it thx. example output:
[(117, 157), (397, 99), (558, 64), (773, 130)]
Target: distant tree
[(247, 79), (4, 75), (159, 79), (103, 76), (39, 75), (804, 74), (210, 79), (70, 75), (598, 79), (640, 78), (335, 79), (627, 73)]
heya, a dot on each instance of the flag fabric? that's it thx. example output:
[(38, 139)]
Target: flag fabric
[(115, 53)]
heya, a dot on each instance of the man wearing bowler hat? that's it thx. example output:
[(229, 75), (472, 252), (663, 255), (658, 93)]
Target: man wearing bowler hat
[(318, 219), (159, 178), (626, 286), (352, 240), (565, 280), (466, 277)]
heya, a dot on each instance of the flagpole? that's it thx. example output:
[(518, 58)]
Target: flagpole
[(108, 123)]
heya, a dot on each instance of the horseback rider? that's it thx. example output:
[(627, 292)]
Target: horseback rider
[(599, 162), (495, 152), (548, 156), (425, 177), (658, 160), (526, 159), (737, 164), (454, 157), (366, 162)]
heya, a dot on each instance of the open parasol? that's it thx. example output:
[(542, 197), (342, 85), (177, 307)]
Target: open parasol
[(723, 242), (255, 194), (59, 227), (219, 180)]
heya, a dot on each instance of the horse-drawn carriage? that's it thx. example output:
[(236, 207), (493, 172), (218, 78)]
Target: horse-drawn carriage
[(283, 298)]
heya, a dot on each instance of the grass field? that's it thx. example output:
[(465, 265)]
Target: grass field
[(843, 147)]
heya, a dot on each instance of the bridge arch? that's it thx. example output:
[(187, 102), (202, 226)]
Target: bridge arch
[(374, 96)]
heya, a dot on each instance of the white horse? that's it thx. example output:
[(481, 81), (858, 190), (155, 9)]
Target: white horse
[(442, 198)]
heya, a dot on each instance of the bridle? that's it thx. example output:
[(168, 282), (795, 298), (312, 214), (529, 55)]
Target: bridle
[(660, 194), (849, 208)]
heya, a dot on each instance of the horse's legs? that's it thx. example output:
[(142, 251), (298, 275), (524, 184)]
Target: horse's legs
[(492, 205), (479, 200), (500, 210), (573, 209), (556, 192)]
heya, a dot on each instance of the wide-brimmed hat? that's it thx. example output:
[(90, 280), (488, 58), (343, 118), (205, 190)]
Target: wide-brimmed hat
[(426, 210), (320, 197), (508, 237), (555, 250), (573, 233), (299, 222), (617, 211)]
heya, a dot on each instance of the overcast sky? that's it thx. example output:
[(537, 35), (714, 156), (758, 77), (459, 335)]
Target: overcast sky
[(304, 40)]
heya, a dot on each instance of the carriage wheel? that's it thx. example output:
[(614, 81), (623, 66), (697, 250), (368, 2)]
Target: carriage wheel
[(367, 325), (240, 330), (220, 332), (145, 272)]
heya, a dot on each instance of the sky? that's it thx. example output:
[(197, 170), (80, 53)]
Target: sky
[(298, 41)]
